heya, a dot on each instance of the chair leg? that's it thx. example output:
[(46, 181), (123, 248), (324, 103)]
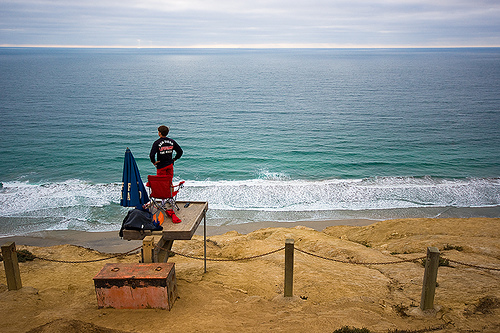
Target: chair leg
[(172, 203)]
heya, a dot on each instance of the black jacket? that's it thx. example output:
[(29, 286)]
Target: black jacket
[(162, 151)]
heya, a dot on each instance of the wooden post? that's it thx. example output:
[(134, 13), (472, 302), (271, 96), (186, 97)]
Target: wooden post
[(11, 265), (430, 279), (148, 246), (289, 249)]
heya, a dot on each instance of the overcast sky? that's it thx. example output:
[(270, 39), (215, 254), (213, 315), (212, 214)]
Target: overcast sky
[(250, 23)]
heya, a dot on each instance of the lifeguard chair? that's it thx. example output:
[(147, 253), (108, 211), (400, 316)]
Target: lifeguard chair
[(161, 188), (163, 198)]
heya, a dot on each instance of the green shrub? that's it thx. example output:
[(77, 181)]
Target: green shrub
[(449, 247), (24, 255)]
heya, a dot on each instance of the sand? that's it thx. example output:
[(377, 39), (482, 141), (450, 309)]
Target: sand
[(247, 296)]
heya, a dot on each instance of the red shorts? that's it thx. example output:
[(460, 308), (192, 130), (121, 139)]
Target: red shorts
[(166, 171)]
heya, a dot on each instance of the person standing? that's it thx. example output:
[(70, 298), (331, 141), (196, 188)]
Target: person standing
[(161, 154)]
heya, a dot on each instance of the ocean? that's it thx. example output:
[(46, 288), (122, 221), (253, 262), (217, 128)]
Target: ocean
[(267, 134)]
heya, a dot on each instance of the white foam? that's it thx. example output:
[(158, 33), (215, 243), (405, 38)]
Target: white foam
[(79, 205), (76, 197), (337, 194), (23, 198)]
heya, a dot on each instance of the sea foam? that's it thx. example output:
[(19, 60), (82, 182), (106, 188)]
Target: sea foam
[(76, 204), (336, 194), (21, 198)]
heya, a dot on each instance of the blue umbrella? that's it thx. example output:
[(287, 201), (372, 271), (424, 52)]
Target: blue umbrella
[(133, 191)]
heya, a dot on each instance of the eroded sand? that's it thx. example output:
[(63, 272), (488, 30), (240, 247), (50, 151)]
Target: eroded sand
[(247, 296)]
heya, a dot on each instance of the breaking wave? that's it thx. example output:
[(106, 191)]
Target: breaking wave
[(76, 204), (356, 194)]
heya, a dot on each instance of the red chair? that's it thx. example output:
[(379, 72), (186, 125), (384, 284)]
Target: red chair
[(161, 188)]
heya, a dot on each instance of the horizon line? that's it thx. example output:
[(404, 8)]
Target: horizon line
[(247, 46)]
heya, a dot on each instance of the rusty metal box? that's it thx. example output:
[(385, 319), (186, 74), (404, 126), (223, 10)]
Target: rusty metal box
[(136, 286)]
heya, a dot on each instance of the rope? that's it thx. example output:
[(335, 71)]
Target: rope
[(89, 261), (470, 265), (360, 263), (213, 259), (280, 249), (263, 255)]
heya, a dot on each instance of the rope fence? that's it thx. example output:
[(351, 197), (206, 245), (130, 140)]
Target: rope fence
[(470, 265), (133, 251), (136, 250), (432, 261), (323, 257), (360, 263), (222, 259)]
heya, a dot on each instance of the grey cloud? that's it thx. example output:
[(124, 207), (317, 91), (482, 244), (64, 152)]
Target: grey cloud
[(188, 22)]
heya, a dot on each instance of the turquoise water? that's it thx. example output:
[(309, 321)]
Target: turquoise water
[(267, 134)]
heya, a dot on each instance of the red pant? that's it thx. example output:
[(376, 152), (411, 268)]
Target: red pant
[(166, 171)]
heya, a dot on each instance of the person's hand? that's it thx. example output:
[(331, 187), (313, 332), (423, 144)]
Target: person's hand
[(156, 163)]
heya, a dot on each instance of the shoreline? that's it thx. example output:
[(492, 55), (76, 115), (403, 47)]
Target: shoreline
[(110, 242)]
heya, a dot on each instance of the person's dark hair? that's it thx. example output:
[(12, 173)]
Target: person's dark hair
[(163, 130)]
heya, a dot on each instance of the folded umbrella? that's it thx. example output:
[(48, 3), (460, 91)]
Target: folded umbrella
[(133, 191)]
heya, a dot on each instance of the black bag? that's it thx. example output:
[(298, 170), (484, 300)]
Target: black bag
[(138, 219)]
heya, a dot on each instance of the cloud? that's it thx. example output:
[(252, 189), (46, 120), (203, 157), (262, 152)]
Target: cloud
[(257, 22)]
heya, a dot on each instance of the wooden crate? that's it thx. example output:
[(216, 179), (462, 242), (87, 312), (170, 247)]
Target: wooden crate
[(136, 286)]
